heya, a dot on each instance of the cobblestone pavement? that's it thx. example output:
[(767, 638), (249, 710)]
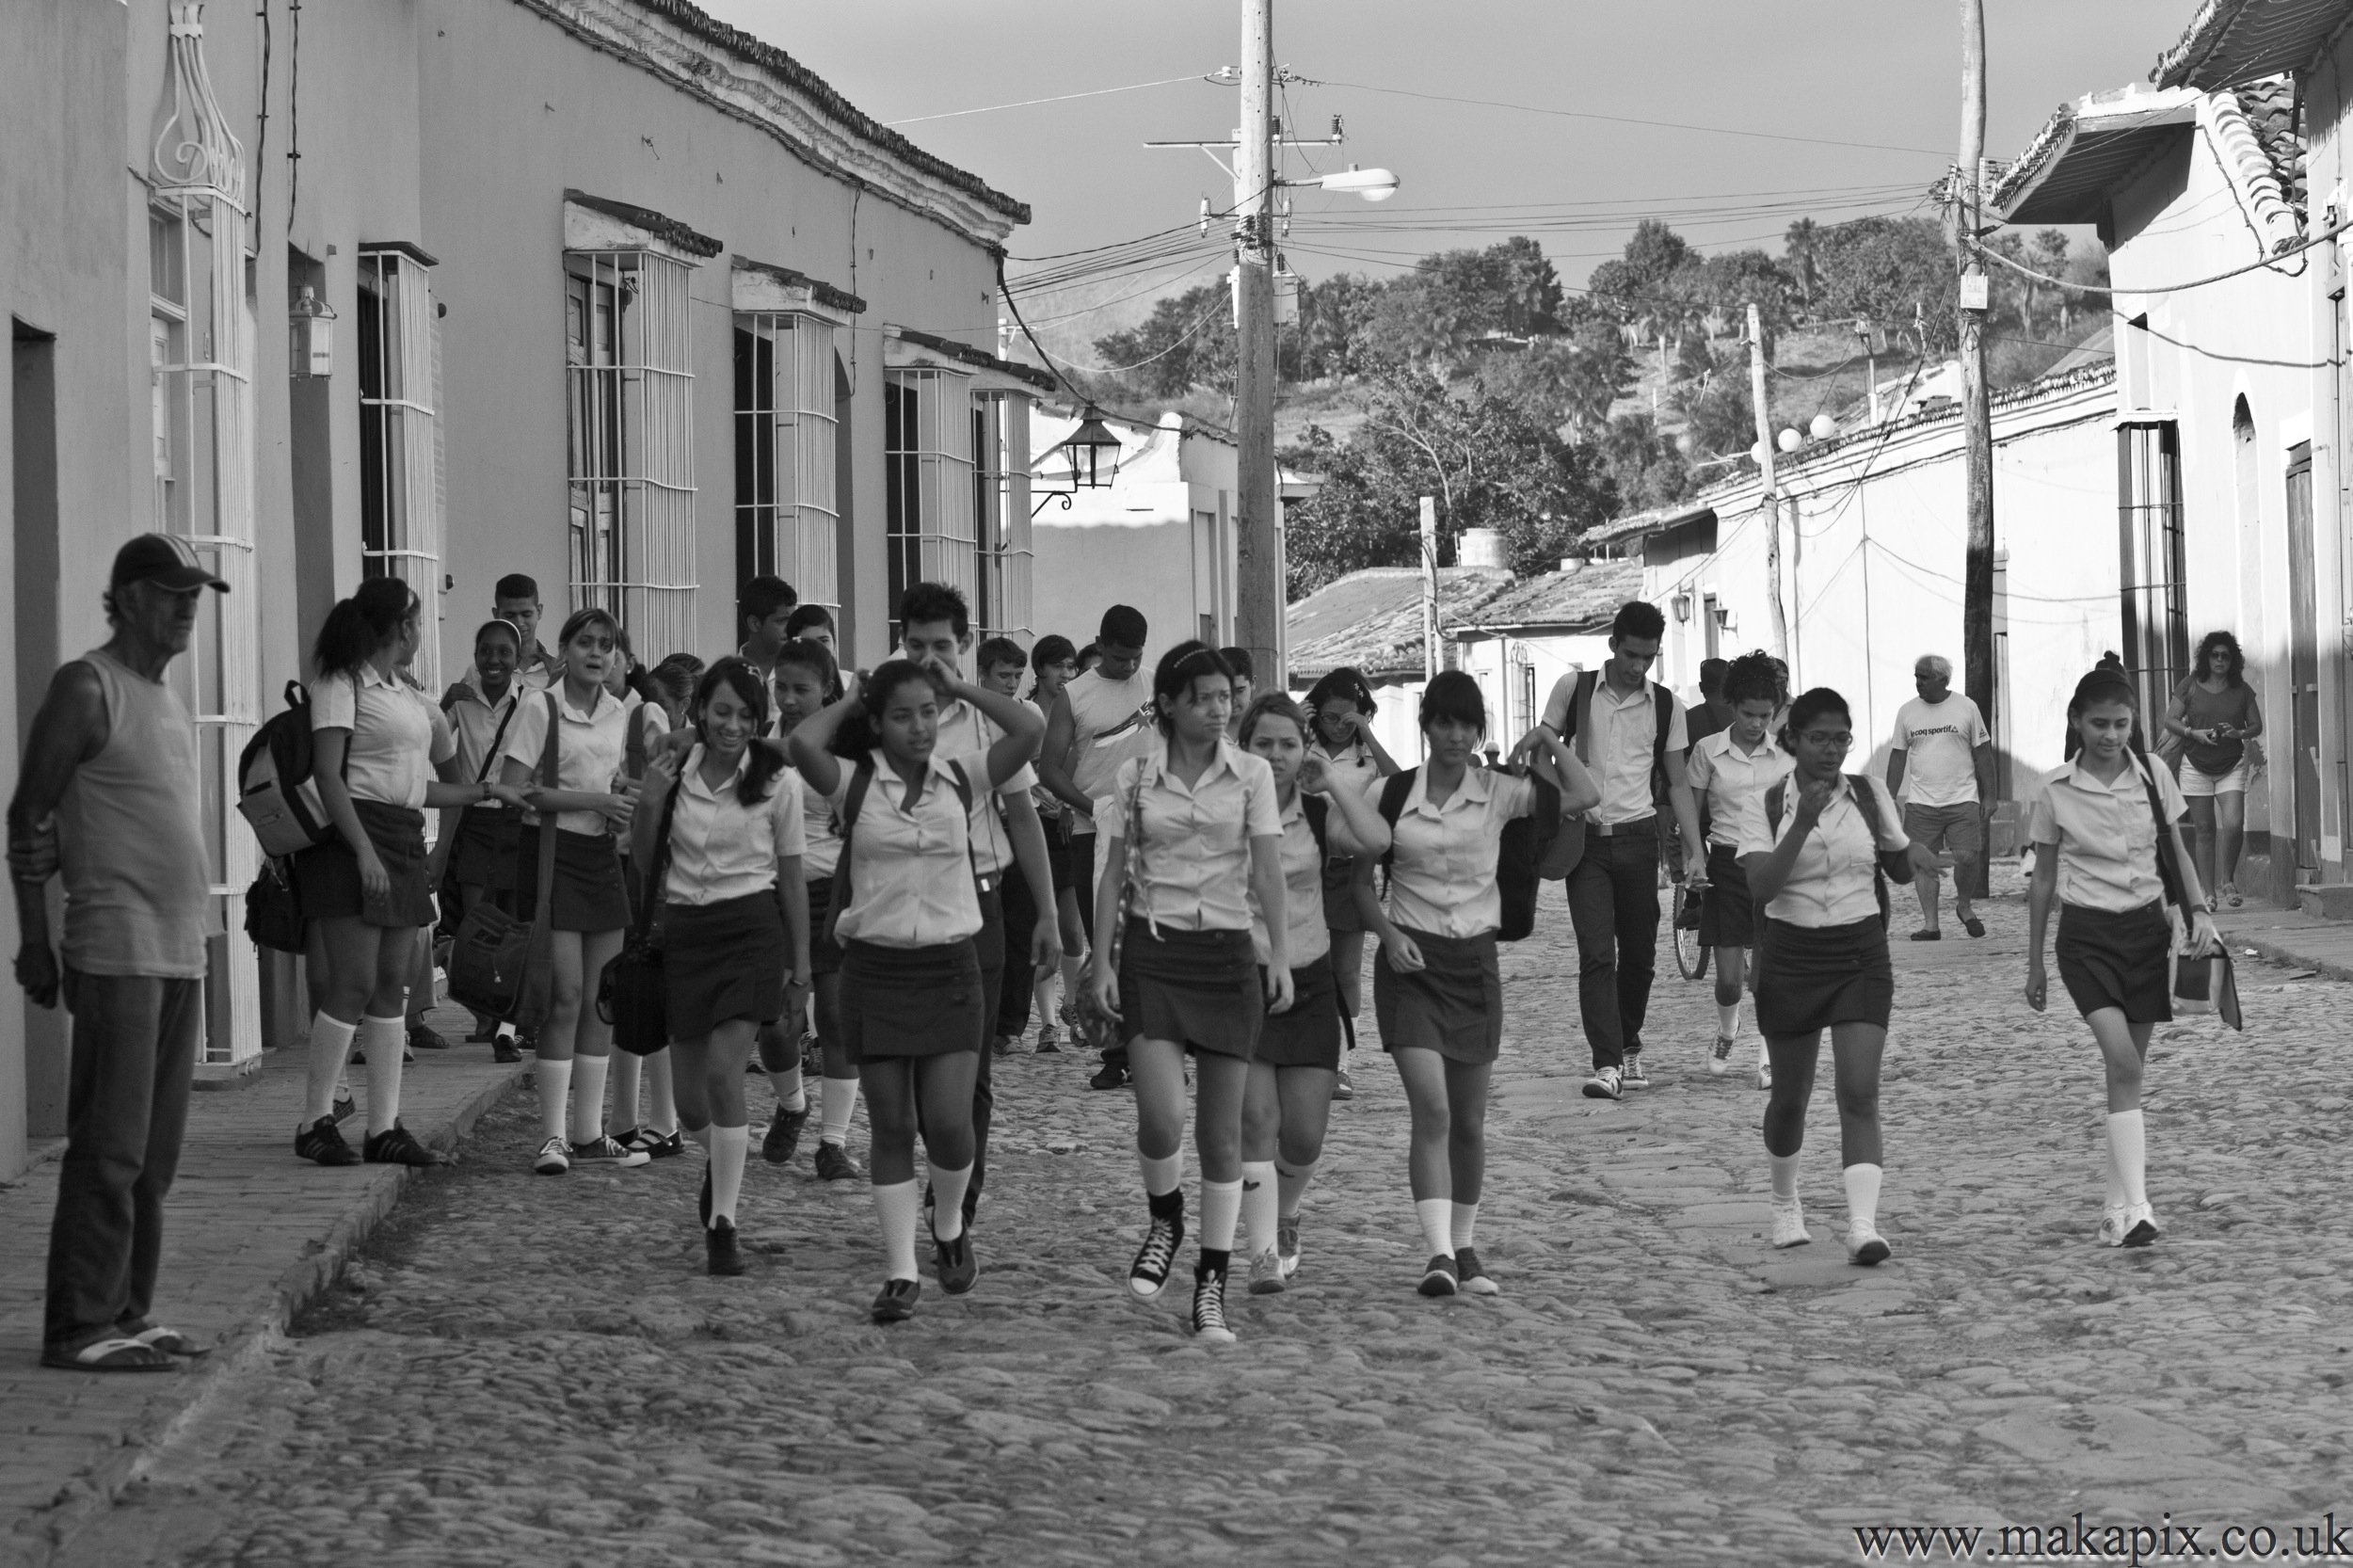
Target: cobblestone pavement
[(534, 1370)]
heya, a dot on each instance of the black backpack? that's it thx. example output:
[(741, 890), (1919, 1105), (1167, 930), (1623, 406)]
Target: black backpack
[(276, 794), (1662, 702), (1894, 865), (1519, 851)]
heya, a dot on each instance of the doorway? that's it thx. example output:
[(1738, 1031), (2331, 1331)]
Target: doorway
[(2303, 664), (33, 451)]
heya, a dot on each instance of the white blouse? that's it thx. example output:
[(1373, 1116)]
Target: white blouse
[(1832, 882), (1308, 938), (473, 720), (588, 750), (396, 735), (2105, 833), (964, 728), (722, 849), (1197, 837), (911, 871), (1726, 777), (821, 833), (1442, 864)]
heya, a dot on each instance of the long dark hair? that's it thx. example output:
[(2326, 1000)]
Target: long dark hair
[(1176, 672), (360, 625), (739, 675), (860, 735), (2207, 644)]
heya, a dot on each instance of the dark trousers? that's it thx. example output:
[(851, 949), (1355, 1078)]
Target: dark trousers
[(134, 1056), (1613, 902), (1021, 974)]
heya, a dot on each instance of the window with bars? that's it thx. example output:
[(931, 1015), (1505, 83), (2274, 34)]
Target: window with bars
[(630, 415), (929, 476), (400, 513), (1000, 513), (786, 516), (2155, 608)]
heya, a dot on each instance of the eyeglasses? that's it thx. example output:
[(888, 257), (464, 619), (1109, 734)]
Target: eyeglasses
[(1828, 742)]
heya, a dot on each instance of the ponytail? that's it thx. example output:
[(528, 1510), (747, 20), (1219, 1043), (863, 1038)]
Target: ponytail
[(357, 627)]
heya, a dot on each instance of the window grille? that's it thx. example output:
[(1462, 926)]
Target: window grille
[(400, 512), (2155, 611), (630, 472), (928, 473), (787, 519), (1001, 512)]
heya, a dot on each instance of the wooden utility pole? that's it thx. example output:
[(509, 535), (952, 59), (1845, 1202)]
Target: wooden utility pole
[(1770, 503), (1259, 596), (1429, 587), (1977, 593)]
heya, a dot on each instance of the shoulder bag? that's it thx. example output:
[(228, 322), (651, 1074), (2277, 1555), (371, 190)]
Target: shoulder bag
[(632, 994), (1097, 1030), (499, 965), (2201, 984)]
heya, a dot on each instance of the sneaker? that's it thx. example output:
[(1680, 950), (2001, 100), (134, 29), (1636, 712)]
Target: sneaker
[(2140, 1226), (399, 1146), (1266, 1273), (784, 1135), (1764, 1071), (603, 1150), (504, 1049), (1150, 1271), (424, 1036), (957, 1267), (1208, 1307), (323, 1142), (1603, 1085), (554, 1158), (895, 1303), (1111, 1075), (1789, 1223), (1633, 1077), (665, 1145), (1475, 1279), (1286, 1244), (1002, 1044), (1439, 1278), (1343, 1086), (1048, 1044), (833, 1163), (1720, 1059), (345, 1107), (2114, 1224), (720, 1255), (1864, 1245)]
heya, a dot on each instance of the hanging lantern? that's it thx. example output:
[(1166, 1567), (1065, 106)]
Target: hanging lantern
[(312, 348), (1092, 446)]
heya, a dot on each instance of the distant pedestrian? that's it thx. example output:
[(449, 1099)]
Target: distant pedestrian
[(1730, 770), (813, 623), (1713, 713), (1089, 657), (111, 796), (1339, 709), (477, 849), (998, 664), (805, 672), (644, 1100), (1054, 663), (2096, 827), (2215, 714), (1245, 685), (1941, 766), (515, 600), (764, 613)]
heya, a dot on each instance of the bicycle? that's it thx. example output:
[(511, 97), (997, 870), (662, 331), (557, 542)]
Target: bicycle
[(1691, 958)]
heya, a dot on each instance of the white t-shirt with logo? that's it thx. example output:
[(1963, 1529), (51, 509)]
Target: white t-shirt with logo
[(1938, 741)]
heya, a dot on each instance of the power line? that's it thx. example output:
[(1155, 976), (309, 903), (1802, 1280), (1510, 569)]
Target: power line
[(1059, 98), (2275, 258)]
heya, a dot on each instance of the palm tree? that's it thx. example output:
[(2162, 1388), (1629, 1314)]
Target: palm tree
[(1797, 245)]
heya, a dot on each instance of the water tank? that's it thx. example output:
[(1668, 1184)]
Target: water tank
[(1478, 547)]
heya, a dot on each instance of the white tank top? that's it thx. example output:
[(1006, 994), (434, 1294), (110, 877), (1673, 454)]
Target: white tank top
[(131, 835), (1103, 732)]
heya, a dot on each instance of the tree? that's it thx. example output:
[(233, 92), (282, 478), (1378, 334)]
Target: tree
[(1648, 469), (1739, 279), (1454, 299), (1185, 342), (1798, 246), (1332, 337), (1892, 270), (1568, 380)]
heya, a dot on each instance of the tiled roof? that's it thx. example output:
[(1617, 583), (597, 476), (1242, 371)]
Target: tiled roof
[(2270, 110), (1371, 620), (1579, 599), (660, 224), (2230, 41)]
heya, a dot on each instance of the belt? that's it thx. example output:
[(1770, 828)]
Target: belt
[(1613, 830), (988, 883)]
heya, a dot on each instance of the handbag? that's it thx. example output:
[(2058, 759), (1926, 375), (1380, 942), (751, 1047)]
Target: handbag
[(499, 965), (632, 994), (2201, 984), (273, 911), (1097, 1029)]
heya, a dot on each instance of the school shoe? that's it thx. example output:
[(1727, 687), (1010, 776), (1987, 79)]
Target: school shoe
[(1789, 1223), (601, 1150), (505, 1050), (1764, 1071), (1441, 1278), (1633, 1077), (1343, 1086), (1603, 1085), (397, 1146), (323, 1142), (1148, 1274), (1209, 1307), (1286, 1244), (1111, 1075), (424, 1036), (555, 1158), (783, 1136), (721, 1255), (1864, 1245), (833, 1163), (1720, 1059), (636, 1138), (1266, 1273), (1475, 1278), (895, 1302), (2114, 1222), (957, 1267), (2140, 1226), (665, 1146)]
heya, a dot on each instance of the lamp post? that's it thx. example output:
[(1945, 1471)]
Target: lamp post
[(1086, 447), (311, 321)]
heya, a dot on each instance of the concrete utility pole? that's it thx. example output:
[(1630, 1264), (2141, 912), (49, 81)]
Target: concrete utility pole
[(1258, 597), (1771, 501), (1976, 594)]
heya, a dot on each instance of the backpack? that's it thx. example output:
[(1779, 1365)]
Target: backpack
[(276, 794), (1519, 851), (860, 780), (1894, 865), (1568, 845)]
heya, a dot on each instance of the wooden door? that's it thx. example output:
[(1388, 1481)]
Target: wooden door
[(2303, 664)]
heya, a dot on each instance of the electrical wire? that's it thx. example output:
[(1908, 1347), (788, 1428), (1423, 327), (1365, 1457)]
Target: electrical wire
[(2270, 260), (1216, 307), (1061, 98)]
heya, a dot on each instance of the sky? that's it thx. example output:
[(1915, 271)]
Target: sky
[(1880, 78)]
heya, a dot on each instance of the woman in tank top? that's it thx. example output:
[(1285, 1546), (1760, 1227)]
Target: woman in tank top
[(2215, 714)]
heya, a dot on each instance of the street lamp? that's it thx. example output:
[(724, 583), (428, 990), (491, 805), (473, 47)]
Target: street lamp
[(1373, 184), (1086, 447), (311, 346)]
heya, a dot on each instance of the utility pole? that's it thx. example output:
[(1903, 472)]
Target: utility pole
[(1976, 594), (1258, 597), (1429, 587), (1771, 501)]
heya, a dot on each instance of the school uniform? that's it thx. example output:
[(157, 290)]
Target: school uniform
[(1187, 969), (588, 894), (820, 837), (1823, 960), (1443, 895), (483, 853), (2115, 944), (396, 739), (1352, 767), (1726, 780), (725, 951), (1308, 1034), (910, 965)]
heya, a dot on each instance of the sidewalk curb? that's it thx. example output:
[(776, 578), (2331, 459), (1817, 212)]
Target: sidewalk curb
[(90, 1497), (2275, 953)]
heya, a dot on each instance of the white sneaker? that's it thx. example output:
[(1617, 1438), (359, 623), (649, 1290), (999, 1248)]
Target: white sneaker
[(603, 1150), (2140, 1226), (1763, 1069), (1864, 1244), (2113, 1226), (1789, 1223), (1603, 1085), (1632, 1075), (554, 1158), (1719, 1060)]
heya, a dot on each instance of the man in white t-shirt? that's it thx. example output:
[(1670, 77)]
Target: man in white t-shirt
[(1942, 768)]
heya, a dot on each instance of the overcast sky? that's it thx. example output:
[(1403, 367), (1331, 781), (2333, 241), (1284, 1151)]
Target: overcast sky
[(1883, 75)]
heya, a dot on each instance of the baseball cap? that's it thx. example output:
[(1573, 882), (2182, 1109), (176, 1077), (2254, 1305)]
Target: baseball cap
[(164, 558)]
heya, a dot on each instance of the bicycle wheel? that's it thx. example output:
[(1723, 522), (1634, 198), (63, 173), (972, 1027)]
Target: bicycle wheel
[(1690, 958)]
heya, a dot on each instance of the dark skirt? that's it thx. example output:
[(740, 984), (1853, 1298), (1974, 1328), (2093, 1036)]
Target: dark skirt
[(2111, 960), (1809, 977), (1198, 988), (1727, 915), (588, 893), (910, 1001), (1340, 895), (824, 949), (722, 960), (1309, 1034), (326, 875), (484, 853), (1453, 1005)]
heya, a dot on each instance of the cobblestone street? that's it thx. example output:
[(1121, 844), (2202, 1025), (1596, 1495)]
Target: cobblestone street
[(530, 1371)]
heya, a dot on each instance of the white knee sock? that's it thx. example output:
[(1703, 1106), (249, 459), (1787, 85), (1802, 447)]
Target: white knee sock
[(384, 1040), (1257, 1205), (1863, 1195), (948, 1200), (588, 1098), (896, 1206), (788, 1087), (331, 1042), (554, 1080), (1728, 1021), (1465, 1227), (727, 1144), (1162, 1176), (1221, 1206), (1785, 1176), (1290, 1183), (836, 1099), (628, 1073), (1437, 1224), (2128, 1156), (661, 1115)]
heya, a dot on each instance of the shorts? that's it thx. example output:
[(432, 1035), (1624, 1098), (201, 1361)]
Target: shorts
[(1958, 829), (2197, 784)]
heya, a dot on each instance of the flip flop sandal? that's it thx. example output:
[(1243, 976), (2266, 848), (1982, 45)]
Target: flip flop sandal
[(1973, 925), (172, 1342), (111, 1355)]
